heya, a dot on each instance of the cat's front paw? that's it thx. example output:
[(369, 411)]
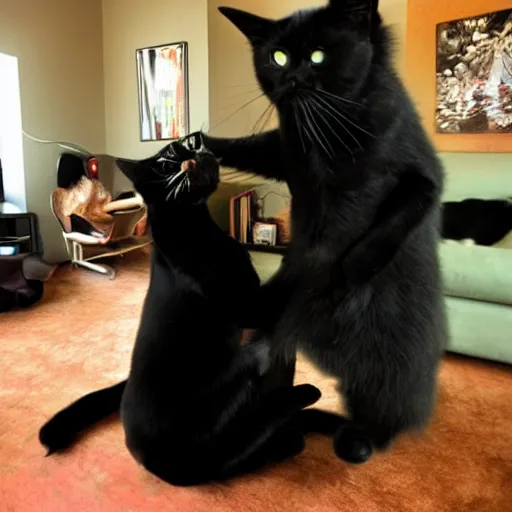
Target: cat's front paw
[(259, 353)]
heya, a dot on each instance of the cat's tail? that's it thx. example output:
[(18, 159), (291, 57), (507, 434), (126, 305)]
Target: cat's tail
[(60, 431), (316, 421)]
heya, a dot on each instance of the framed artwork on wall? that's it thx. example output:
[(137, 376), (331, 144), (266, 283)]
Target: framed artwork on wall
[(474, 74), (462, 83), (162, 77)]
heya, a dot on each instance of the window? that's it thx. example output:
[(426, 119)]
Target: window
[(12, 172), (2, 194)]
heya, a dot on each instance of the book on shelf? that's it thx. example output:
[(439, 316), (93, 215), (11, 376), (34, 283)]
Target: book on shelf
[(241, 217)]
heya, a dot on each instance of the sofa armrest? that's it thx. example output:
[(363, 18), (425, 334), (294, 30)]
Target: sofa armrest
[(477, 272)]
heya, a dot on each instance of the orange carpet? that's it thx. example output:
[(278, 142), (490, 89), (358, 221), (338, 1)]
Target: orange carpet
[(79, 339)]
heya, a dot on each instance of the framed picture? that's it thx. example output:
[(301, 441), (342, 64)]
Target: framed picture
[(162, 76), (474, 74), (457, 69), (264, 233)]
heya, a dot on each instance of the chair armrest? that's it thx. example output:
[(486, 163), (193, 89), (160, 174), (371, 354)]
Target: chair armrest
[(124, 204), (85, 239)]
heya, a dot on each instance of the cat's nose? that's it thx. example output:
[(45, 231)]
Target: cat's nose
[(298, 76)]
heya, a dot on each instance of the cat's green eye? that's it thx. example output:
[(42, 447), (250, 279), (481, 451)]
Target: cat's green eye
[(280, 58), (318, 57)]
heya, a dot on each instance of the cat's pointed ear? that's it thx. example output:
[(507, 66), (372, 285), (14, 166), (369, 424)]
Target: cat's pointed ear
[(254, 27), (363, 14), (128, 168)]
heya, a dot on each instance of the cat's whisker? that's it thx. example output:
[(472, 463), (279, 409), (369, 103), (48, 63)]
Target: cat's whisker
[(244, 93), (332, 113), (325, 102), (260, 126), (326, 121), (302, 122), (183, 184), (254, 84), (174, 190), (340, 98), (237, 111), (307, 126), (317, 131), (167, 159), (176, 176), (299, 127), (179, 188)]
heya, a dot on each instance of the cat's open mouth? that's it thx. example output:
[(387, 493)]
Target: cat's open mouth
[(188, 165)]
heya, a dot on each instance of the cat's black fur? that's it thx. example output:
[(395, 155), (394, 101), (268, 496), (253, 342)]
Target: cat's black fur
[(482, 220), (192, 409), (359, 289)]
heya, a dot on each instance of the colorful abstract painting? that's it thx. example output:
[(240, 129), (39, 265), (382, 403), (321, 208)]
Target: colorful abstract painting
[(162, 73)]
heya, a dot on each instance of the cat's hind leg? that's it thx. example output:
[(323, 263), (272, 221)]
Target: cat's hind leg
[(284, 443), (248, 443), (351, 442), (252, 440), (381, 412)]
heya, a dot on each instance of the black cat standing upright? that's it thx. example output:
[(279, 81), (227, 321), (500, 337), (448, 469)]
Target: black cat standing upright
[(359, 290), (193, 409)]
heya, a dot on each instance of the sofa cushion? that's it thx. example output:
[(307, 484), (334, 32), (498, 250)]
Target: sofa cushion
[(477, 272), (505, 243), (480, 329)]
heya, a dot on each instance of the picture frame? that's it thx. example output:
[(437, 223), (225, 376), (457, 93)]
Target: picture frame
[(420, 71), (474, 74), (264, 233), (163, 91)]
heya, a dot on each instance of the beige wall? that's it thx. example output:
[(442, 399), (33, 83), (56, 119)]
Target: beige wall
[(132, 24), (58, 44)]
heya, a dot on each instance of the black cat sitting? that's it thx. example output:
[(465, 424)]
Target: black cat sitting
[(359, 289), (193, 408), (484, 221)]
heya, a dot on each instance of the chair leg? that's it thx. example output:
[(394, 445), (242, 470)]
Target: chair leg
[(101, 269), (78, 260)]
